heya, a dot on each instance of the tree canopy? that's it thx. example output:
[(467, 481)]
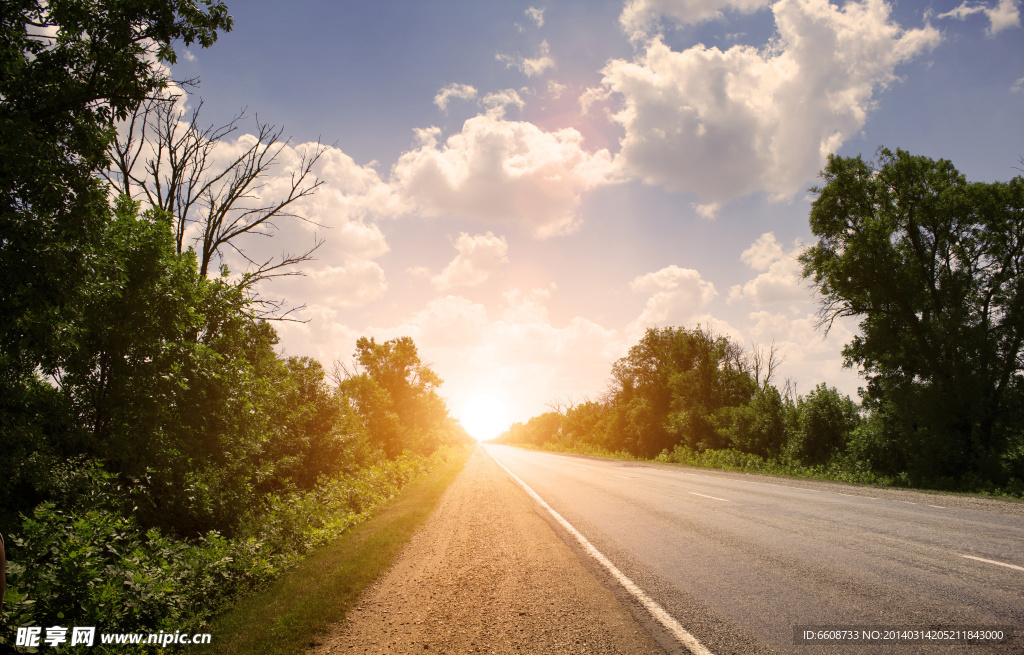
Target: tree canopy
[(933, 266)]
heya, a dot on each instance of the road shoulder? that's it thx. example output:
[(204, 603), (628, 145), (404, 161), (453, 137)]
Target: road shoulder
[(487, 574)]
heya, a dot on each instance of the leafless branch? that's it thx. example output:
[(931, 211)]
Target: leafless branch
[(167, 159)]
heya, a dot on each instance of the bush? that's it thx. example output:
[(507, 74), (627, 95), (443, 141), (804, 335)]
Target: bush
[(825, 423), (95, 566)]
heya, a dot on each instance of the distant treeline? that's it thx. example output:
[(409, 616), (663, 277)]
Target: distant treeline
[(932, 266), (691, 390)]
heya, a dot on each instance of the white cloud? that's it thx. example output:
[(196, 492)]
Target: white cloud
[(531, 66), (502, 171), (780, 279), (676, 295), (762, 253), (1002, 16), (479, 257), (495, 103), (808, 355), (640, 18), (555, 89), (1018, 86), (536, 15), (725, 124), (454, 90), (352, 285)]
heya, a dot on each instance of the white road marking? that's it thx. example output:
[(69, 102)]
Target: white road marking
[(992, 561), (706, 496), (624, 477), (656, 610), (856, 496), (583, 468), (937, 506)]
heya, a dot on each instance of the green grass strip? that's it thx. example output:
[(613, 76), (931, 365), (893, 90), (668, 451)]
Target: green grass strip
[(287, 617)]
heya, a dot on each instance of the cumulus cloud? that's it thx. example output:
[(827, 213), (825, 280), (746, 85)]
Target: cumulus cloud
[(640, 18), (725, 124), (1000, 17), (676, 295), (502, 171), (780, 279), (536, 15), (454, 90), (1018, 86), (530, 66), (479, 257)]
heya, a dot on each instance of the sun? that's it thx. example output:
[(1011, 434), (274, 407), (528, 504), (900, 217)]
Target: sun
[(484, 417)]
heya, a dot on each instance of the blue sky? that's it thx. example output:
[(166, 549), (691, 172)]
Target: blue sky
[(523, 188)]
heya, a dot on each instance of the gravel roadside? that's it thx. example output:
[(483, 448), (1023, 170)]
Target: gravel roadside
[(487, 574)]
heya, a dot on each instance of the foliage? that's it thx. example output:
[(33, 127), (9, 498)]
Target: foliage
[(760, 427), (934, 268), (395, 392), (826, 422), (668, 387), (70, 69), (95, 565)]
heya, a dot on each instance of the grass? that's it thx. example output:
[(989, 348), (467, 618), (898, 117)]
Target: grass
[(287, 617), (733, 460)]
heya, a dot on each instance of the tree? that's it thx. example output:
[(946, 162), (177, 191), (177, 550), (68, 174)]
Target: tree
[(165, 157), (70, 69), (667, 388), (934, 268), (395, 392), (825, 422)]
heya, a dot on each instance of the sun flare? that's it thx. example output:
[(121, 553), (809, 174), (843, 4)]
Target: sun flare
[(484, 417)]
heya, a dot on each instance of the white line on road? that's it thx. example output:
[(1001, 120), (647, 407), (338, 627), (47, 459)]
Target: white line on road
[(992, 561), (937, 506), (656, 610), (706, 496), (624, 477)]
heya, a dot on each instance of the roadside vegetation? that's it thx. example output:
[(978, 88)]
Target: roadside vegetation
[(933, 268), (298, 608), (160, 458)]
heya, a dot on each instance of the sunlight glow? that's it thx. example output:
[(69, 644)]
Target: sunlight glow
[(484, 417)]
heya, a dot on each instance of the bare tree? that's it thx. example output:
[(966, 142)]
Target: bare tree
[(563, 404), (763, 363), (167, 159)]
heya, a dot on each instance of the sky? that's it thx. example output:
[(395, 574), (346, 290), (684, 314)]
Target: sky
[(525, 187)]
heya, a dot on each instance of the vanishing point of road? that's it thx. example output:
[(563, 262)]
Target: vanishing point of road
[(744, 563)]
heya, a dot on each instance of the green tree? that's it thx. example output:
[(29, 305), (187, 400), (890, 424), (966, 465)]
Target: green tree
[(758, 427), (395, 393), (68, 70), (826, 420), (668, 387), (933, 266)]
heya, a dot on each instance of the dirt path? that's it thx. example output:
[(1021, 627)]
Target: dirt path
[(487, 574)]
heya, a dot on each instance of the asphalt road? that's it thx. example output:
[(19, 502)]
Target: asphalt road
[(744, 562)]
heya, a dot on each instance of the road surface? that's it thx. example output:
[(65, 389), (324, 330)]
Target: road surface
[(744, 563)]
